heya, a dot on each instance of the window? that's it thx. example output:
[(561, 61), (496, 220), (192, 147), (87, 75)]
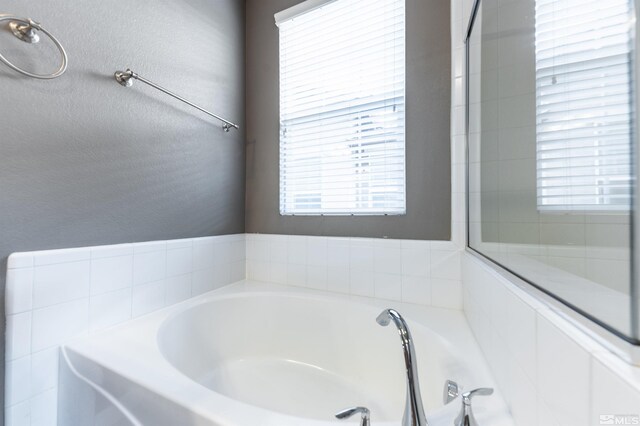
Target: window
[(584, 111), (342, 107)]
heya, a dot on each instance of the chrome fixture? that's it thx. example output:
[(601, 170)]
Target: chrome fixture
[(466, 417), (451, 391), (413, 410), (125, 79), (27, 30), (364, 411)]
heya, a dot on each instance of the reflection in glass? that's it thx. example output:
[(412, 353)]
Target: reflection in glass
[(551, 128), (583, 105)]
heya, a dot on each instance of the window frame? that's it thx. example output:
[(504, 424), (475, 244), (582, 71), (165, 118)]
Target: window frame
[(387, 196)]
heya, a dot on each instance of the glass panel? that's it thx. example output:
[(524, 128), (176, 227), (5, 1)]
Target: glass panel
[(551, 141)]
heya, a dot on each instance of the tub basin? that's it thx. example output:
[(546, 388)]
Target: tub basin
[(260, 354)]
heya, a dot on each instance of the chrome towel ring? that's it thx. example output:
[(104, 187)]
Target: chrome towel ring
[(27, 31)]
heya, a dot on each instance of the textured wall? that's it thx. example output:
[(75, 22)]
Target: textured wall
[(84, 161), (428, 89)]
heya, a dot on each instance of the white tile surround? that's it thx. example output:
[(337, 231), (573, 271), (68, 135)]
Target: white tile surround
[(549, 370), (414, 271), (57, 295), (568, 380)]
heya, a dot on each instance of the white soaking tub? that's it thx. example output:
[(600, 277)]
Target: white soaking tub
[(257, 354)]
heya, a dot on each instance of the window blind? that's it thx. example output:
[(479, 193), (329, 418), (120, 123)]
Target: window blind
[(584, 105), (342, 109)]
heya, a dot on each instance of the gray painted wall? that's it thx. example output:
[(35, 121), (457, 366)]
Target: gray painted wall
[(84, 161), (428, 89)]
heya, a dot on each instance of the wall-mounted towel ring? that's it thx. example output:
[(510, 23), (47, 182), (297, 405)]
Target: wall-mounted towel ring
[(27, 31)]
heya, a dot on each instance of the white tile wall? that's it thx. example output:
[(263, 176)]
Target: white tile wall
[(57, 295), (550, 372), (413, 271)]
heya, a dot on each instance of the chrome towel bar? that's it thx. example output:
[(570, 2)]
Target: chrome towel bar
[(124, 78)]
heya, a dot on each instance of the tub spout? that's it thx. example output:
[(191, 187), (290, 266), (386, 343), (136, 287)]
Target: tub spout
[(413, 410)]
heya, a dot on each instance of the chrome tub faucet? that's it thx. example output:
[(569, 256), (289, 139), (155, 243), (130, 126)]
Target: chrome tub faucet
[(413, 410)]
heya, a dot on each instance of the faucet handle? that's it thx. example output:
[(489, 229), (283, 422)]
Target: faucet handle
[(466, 417), (466, 397), (345, 414), (450, 392)]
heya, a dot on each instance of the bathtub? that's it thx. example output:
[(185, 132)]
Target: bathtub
[(269, 355)]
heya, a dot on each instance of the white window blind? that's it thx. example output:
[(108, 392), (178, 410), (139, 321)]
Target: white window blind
[(584, 104), (342, 109)]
